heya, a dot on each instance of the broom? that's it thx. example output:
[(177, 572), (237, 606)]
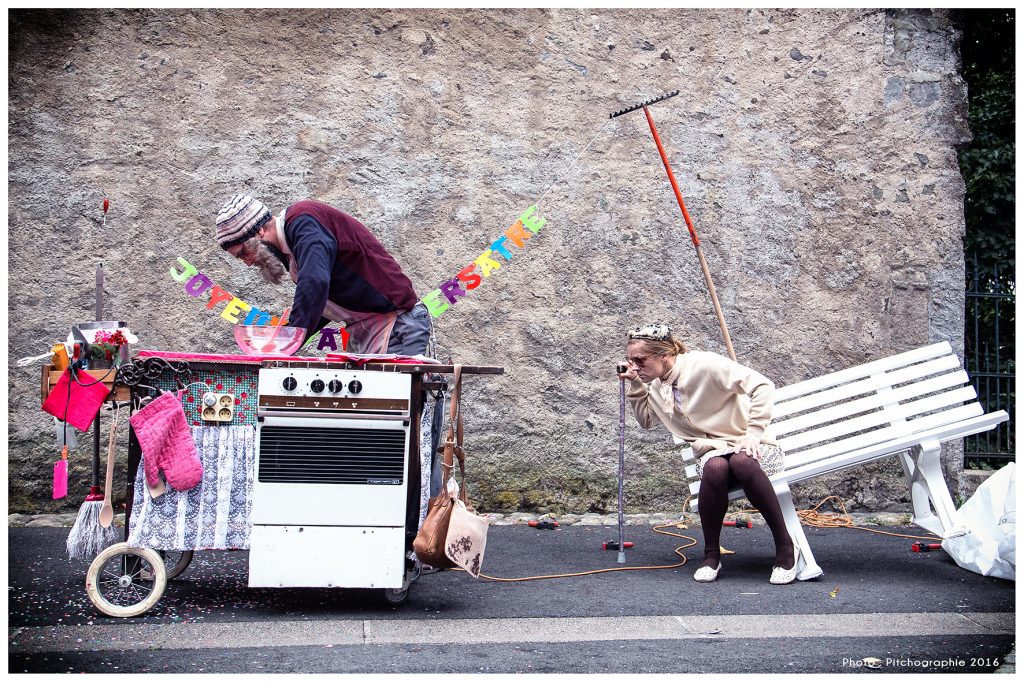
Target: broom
[(87, 537)]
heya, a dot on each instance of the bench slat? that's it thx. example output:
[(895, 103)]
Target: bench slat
[(795, 472), (868, 369), (882, 435), (899, 376), (960, 429), (872, 420), (824, 455), (687, 452), (833, 413), (871, 402), (783, 408)]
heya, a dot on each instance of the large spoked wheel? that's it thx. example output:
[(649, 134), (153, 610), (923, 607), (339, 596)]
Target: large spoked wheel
[(176, 562), (125, 581)]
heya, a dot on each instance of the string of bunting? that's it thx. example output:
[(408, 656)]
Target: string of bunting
[(197, 284), (528, 224)]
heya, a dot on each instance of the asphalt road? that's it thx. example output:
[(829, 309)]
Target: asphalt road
[(913, 612)]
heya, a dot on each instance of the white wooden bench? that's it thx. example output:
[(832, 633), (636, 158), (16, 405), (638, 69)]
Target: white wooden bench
[(905, 405)]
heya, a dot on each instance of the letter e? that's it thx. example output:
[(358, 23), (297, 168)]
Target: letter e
[(435, 306)]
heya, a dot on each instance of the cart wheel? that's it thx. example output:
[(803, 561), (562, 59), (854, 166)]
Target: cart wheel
[(394, 596), (115, 583), (176, 562)]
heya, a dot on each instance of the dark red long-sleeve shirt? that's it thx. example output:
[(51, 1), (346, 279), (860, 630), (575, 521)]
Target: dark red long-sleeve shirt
[(339, 259)]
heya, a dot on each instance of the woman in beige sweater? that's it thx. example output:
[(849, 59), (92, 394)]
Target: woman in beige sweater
[(721, 408)]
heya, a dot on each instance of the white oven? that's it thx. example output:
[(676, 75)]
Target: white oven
[(330, 499)]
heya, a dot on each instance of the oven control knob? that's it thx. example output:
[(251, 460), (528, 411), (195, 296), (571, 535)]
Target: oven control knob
[(354, 386), (317, 386), (290, 383), (335, 386)]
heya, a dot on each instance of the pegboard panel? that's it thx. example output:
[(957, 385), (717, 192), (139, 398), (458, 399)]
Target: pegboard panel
[(241, 380)]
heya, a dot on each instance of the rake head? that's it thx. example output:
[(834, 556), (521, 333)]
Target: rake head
[(641, 105)]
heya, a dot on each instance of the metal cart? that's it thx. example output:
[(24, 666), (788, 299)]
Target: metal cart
[(335, 475)]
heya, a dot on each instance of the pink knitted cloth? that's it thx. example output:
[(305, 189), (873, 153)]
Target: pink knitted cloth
[(166, 442), (382, 358)]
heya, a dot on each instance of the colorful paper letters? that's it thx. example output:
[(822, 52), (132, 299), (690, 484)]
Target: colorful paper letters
[(525, 227), (197, 284)]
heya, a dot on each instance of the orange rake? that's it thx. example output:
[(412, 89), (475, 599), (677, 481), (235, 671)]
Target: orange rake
[(686, 214)]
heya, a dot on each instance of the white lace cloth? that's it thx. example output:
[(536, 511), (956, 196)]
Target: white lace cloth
[(216, 514), (426, 421)]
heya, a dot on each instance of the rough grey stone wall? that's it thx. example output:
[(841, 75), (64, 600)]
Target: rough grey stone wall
[(815, 150)]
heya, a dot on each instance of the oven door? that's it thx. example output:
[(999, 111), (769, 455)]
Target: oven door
[(331, 470)]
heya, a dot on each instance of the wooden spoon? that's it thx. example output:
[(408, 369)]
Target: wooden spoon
[(107, 512)]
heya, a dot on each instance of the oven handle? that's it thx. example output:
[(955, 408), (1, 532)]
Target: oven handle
[(404, 416)]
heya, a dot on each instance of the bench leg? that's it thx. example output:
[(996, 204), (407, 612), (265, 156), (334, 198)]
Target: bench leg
[(807, 567), (933, 506)]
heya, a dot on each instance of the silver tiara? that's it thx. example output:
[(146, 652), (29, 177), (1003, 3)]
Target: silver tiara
[(653, 332)]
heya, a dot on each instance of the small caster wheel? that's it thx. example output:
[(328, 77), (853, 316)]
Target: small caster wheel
[(393, 596), (125, 581)]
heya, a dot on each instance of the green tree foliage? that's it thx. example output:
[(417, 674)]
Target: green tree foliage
[(987, 163), (987, 166)]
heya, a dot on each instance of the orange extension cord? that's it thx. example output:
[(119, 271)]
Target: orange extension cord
[(808, 517)]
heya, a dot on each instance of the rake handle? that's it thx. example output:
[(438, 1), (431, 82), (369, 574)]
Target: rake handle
[(693, 236), (672, 179)]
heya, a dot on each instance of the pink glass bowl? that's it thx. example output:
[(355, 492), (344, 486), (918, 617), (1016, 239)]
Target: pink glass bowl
[(255, 339)]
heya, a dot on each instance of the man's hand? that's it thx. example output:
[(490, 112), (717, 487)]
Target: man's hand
[(750, 446)]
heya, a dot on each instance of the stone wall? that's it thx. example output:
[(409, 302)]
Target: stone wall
[(816, 150)]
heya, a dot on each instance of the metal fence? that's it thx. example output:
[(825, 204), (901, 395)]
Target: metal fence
[(990, 359)]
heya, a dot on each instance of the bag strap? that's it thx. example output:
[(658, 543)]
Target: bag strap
[(459, 452), (453, 439), (448, 447)]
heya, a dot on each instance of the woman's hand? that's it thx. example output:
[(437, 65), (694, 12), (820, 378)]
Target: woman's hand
[(750, 446), (629, 374)]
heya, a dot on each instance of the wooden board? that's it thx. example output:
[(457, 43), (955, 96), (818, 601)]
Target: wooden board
[(51, 376)]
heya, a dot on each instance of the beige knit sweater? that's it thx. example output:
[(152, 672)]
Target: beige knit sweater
[(719, 401)]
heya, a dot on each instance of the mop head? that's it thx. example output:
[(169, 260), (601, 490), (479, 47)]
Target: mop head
[(87, 537)]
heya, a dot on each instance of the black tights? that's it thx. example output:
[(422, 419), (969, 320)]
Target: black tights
[(719, 475)]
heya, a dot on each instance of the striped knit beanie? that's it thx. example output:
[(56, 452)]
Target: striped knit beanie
[(240, 219)]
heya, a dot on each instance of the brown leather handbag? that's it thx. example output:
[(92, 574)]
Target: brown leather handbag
[(429, 544)]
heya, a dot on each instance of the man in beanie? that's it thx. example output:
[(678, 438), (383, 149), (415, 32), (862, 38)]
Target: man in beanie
[(341, 271)]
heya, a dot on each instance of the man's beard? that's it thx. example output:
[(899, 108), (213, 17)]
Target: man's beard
[(271, 267)]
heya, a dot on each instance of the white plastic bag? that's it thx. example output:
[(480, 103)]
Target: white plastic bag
[(987, 523)]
